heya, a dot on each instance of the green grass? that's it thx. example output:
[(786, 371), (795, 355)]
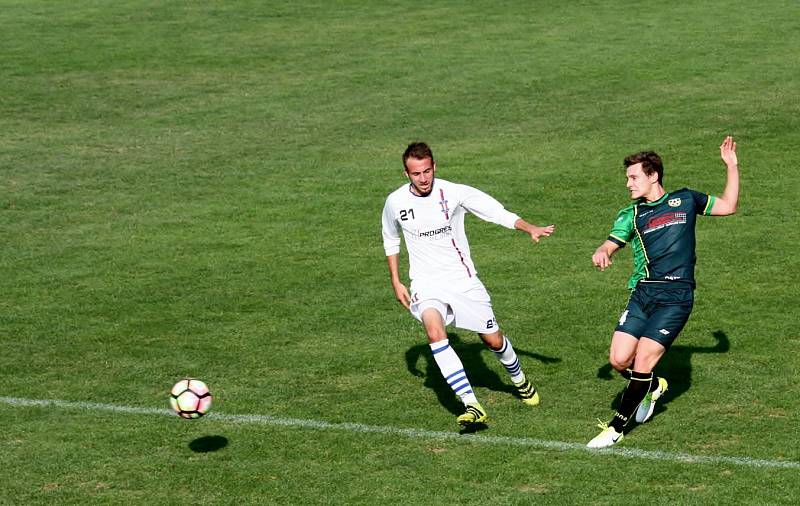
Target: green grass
[(194, 188)]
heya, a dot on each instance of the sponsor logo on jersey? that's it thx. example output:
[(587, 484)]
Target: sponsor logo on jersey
[(674, 202), (664, 220), (436, 233)]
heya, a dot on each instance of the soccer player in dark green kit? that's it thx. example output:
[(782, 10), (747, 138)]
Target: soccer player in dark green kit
[(661, 229)]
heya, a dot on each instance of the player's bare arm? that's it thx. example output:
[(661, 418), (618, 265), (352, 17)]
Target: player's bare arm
[(400, 290), (727, 202), (535, 232), (602, 255)]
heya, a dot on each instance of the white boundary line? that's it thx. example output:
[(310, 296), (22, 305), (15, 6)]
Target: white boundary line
[(416, 434)]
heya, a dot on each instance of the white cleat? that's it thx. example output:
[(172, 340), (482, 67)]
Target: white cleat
[(607, 438), (645, 410)]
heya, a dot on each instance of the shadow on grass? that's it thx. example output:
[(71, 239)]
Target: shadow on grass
[(473, 429), (479, 374), (208, 444), (676, 367)]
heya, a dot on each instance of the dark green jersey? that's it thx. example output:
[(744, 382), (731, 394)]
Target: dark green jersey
[(662, 235)]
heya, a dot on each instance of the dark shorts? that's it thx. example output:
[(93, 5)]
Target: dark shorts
[(658, 311)]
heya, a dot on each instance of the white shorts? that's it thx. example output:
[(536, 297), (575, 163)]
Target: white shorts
[(464, 304)]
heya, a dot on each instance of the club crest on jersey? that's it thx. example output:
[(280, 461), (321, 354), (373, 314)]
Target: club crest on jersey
[(443, 203), (674, 202)]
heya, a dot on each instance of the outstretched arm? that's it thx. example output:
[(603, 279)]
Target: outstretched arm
[(535, 232), (602, 255), (726, 204), (400, 290)]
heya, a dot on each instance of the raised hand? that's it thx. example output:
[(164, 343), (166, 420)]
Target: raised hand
[(727, 151)]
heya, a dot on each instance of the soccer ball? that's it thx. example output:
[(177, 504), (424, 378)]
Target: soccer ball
[(190, 398)]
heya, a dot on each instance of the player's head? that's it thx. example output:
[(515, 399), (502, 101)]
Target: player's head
[(644, 172), (420, 167), (651, 163)]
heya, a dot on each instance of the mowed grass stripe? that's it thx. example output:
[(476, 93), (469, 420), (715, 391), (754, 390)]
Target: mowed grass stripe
[(413, 433)]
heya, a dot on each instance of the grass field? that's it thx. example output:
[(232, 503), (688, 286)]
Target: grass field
[(194, 189)]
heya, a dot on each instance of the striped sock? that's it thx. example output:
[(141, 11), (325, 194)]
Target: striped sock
[(453, 370), (509, 359), (632, 396), (653, 382)]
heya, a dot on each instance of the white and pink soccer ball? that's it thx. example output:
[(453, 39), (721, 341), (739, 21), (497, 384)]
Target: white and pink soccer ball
[(190, 398)]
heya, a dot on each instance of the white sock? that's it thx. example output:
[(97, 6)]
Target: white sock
[(509, 359), (453, 371)]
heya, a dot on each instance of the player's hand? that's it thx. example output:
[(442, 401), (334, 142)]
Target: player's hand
[(601, 260), (539, 232), (401, 292), (727, 151)]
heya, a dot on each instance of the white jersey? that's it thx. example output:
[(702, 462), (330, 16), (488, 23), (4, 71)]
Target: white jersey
[(433, 228)]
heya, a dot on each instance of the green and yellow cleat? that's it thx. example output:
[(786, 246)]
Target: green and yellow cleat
[(648, 405), (527, 392), (474, 414)]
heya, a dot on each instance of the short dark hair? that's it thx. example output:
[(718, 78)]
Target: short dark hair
[(650, 161), (418, 150)]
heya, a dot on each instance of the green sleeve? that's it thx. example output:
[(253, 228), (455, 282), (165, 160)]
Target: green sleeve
[(709, 205), (622, 230), (703, 202)]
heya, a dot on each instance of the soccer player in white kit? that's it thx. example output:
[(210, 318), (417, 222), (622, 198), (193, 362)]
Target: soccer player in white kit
[(445, 288)]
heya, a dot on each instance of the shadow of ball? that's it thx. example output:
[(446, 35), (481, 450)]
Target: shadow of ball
[(207, 444)]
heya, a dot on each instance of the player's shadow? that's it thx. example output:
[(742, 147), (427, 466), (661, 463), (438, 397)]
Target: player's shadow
[(207, 444), (676, 367), (472, 357)]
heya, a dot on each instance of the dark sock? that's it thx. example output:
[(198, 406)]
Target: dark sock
[(653, 384), (633, 395), (626, 373)]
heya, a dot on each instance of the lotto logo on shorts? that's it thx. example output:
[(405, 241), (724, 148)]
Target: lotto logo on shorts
[(490, 324)]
